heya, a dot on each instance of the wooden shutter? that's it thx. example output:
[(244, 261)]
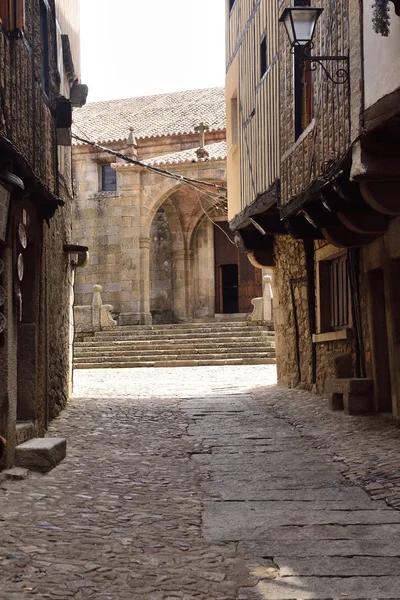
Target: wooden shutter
[(5, 14), (12, 14), (20, 15), (339, 293)]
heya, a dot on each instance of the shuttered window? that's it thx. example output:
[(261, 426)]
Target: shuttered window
[(44, 43), (5, 16), (108, 179), (12, 14), (339, 293), (263, 56), (334, 294)]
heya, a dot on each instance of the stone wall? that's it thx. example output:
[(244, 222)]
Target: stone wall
[(294, 363), (34, 348), (118, 227), (58, 274)]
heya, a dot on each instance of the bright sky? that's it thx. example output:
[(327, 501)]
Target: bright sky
[(143, 47)]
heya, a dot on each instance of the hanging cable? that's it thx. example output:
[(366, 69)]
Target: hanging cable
[(195, 184), (138, 163)]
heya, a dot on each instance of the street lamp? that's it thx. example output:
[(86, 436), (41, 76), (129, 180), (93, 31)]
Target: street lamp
[(300, 23)]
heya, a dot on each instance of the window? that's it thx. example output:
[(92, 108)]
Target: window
[(303, 94), (44, 42), (231, 4), (339, 293), (234, 121), (108, 179), (303, 87), (334, 294), (263, 56), (12, 14)]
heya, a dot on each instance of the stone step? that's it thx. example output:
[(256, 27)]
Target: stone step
[(175, 344), (182, 344), (24, 431), (176, 363), (209, 326), (186, 356), (141, 331), (41, 454), (183, 337), (82, 352)]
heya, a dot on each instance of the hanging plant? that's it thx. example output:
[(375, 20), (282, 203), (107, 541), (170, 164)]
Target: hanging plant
[(381, 17)]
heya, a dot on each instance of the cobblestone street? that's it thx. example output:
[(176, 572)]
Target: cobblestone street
[(205, 483)]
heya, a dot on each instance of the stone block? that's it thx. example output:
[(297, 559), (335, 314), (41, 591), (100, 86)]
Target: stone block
[(353, 385), (353, 395), (16, 474), (41, 454), (357, 404)]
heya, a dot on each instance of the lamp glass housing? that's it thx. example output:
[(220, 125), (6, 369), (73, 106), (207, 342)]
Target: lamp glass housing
[(300, 23)]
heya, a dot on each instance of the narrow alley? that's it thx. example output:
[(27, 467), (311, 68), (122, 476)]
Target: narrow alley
[(205, 484)]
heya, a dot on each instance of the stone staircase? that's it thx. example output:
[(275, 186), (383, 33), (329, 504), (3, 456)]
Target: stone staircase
[(180, 345)]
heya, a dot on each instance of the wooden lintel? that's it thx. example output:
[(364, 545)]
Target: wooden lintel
[(364, 222), (382, 196), (253, 241), (344, 238), (266, 202), (260, 259), (299, 228)]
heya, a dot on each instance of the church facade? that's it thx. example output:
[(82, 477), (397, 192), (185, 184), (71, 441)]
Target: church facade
[(159, 244)]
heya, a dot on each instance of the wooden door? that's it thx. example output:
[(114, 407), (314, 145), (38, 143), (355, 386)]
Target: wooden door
[(226, 255)]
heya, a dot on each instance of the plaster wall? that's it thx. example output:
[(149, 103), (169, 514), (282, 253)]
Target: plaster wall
[(381, 57)]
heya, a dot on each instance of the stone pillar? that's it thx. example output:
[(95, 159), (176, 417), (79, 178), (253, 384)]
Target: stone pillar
[(145, 314), (180, 282), (129, 264)]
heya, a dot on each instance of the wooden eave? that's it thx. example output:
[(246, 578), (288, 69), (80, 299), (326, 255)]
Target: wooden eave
[(383, 112), (263, 210)]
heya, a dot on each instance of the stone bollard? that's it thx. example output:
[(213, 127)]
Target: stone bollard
[(267, 298), (257, 314), (96, 307)]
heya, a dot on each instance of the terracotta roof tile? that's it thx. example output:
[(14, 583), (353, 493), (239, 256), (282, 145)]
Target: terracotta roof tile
[(216, 151), (151, 116)]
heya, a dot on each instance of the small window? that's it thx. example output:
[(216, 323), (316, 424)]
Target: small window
[(234, 121), (5, 15), (44, 43), (334, 294), (108, 179), (303, 94), (263, 56), (231, 4)]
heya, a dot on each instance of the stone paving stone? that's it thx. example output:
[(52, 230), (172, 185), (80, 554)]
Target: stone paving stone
[(193, 484)]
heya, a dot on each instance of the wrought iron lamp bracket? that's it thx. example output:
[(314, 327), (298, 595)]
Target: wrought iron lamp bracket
[(339, 77)]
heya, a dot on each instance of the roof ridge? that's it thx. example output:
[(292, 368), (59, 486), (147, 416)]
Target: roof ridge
[(97, 102)]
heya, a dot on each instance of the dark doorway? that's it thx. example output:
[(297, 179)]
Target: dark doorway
[(228, 277), (380, 342), (244, 281)]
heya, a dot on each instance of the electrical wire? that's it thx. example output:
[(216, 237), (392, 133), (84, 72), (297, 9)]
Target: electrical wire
[(195, 184), (138, 163)]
